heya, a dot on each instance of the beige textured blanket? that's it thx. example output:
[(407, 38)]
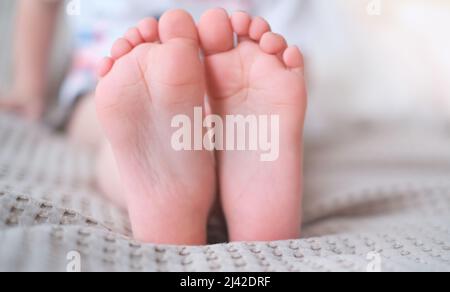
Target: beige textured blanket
[(376, 198)]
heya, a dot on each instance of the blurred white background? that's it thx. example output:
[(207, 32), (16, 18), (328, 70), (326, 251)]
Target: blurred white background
[(366, 59)]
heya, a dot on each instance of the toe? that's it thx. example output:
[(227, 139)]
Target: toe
[(293, 58), (273, 43), (104, 67), (216, 32), (241, 23), (148, 28), (258, 28), (134, 37), (176, 24), (120, 48)]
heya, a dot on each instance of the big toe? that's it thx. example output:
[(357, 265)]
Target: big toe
[(216, 32), (176, 24)]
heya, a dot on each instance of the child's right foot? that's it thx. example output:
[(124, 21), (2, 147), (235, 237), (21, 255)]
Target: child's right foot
[(259, 76), (154, 74)]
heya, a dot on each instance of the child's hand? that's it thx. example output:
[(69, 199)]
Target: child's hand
[(26, 106)]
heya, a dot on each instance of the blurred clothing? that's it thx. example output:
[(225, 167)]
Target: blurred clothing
[(99, 23), (390, 65)]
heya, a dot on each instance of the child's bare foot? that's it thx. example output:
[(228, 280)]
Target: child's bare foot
[(259, 76), (154, 74)]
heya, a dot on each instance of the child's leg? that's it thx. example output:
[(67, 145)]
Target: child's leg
[(155, 74), (84, 128), (259, 77), (108, 177)]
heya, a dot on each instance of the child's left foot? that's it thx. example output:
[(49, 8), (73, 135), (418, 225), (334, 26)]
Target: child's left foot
[(259, 76), (157, 74)]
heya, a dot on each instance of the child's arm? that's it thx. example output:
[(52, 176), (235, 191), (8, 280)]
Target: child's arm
[(35, 27)]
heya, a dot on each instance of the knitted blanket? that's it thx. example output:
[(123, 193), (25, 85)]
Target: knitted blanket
[(375, 200)]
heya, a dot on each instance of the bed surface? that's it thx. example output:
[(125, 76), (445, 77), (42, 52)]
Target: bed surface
[(358, 216)]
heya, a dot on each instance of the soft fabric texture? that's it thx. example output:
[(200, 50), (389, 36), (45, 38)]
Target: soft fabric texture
[(364, 206)]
